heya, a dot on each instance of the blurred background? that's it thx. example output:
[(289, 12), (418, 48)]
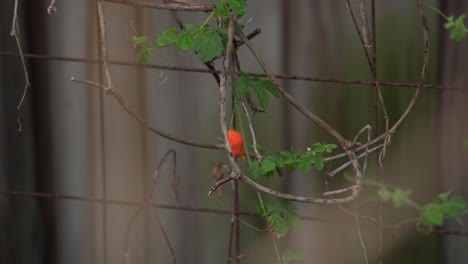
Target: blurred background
[(79, 143)]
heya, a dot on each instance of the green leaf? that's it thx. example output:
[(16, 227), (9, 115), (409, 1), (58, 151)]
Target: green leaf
[(268, 165), (244, 83), (400, 197), (254, 170), (238, 6), (208, 46), (262, 95), (185, 41), (455, 207), (192, 27), (432, 215), (449, 23), (144, 54), (318, 161), (222, 9), (168, 37), (281, 216), (330, 147), (139, 40), (304, 163), (384, 194), (266, 85), (261, 148), (318, 147)]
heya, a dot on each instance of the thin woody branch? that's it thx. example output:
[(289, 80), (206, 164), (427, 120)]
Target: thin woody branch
[(289, 98), (120, 99), (176, 6), (222, 93)]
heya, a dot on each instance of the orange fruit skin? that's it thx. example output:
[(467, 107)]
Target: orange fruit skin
[(237, 143)]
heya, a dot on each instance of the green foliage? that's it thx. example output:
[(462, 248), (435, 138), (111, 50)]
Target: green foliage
[(167, 38), (144, 49), (208, 44), (290, 159), (288, 256), (280, 215), (434, 213), (222, 10), (398, 196), (238, 6), (430, 215), (206, 40), (260, 87), (456, 26)]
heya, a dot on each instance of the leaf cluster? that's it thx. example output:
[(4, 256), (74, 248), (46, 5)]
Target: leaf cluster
[(290, 159), (432, 214), (443, 207), (457, 27), (280, 215), (205, 40)]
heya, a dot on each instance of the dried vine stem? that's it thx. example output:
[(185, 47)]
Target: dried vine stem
[(15, 33), (222, 96), (176, 6), (148, 204), (372, 65), (110, 90)]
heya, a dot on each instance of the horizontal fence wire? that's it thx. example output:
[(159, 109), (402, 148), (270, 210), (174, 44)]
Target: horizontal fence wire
[(341, 221), (200, 70)]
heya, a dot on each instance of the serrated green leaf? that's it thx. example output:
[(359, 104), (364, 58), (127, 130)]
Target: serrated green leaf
[(139, 40), (318, 147), (449, 23), (318, 162), (266, 85), (281, 216), (455, 206), (208, 46), (244, 83), (268, 165), (304, 163), (433, 215), (168, 37), (254, 170), (330, 147), (286, 154), (262, 95), (222, 9), (238, 6), (144, 54), (185, 41)]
